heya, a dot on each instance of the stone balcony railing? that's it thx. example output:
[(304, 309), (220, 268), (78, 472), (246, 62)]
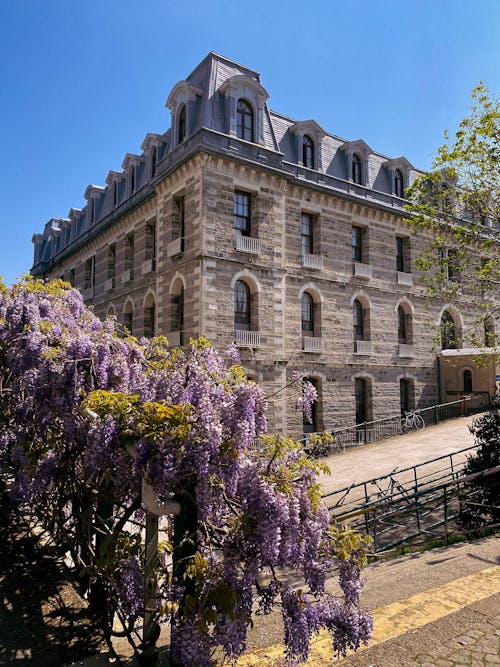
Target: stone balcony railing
[(363, 347), (405, 279), (312, 261), (247, 244), (244, 338), (362, 270), (312, 344)]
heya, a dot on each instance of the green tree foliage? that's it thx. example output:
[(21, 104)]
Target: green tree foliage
[(457, 207), (481, 503)]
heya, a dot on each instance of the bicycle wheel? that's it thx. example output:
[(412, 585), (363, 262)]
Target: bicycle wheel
[(405, 427), (418, 422)]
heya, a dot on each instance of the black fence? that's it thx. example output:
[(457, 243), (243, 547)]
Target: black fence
[(410, 515), (372, 431)]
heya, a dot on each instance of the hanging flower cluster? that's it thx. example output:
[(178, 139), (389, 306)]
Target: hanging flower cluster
[(87, 417)]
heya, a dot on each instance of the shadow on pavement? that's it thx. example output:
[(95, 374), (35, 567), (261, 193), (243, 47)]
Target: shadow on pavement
[(43, 622)]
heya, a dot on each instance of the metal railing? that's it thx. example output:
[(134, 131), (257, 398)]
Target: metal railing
[(401, 516), (372, 431), (429, 473)]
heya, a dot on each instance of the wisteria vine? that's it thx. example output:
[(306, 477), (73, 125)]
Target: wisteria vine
[(88, 418)]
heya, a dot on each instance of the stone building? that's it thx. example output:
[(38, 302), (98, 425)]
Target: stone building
[(245, 225)]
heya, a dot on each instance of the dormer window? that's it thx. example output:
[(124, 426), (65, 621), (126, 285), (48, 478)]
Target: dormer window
[(132, 179), (398, 183), (244, 121), (181, 133), (154, 160), (114, 194), (308, 152), (91, 211), (356, 169)]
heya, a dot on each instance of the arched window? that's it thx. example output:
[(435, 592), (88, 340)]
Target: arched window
[(448, 332), (356, 169), (154, 159), (241, 306), (467, 382), (177, 317), (307, 315), (358, 323), (128, 318), (244, 120), (402, 332), (398, 183), (149, 317), (308, 152), (181, 130), (312, 426), (362, 400)]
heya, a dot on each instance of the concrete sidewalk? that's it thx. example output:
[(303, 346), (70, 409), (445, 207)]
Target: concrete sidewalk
[(439, 608)]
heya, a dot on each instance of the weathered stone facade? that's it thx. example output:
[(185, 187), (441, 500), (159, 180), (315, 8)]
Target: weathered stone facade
[(159, 248)]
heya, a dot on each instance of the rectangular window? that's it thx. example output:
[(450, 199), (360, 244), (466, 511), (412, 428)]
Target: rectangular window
[(242, 212), (357, 244), (150, 249), (112, 260), (307, 239), (403, 254), (179, 221), (129, 254), (89, 277)]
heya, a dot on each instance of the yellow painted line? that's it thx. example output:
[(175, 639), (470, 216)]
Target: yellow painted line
[(397, 618)]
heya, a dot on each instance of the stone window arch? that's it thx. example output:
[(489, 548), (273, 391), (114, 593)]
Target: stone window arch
[(399, 183), (149, 323), (357, 169), (308, 152), (245, 120), (128, 317), (405, 323), (242, 306), (177, 310), (181, 124), (450, 332)]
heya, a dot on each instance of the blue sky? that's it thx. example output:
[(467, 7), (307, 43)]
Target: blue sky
[(82, 82)]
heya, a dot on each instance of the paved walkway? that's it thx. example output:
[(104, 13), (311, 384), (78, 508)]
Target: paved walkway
[(440, 608), (364, 462)]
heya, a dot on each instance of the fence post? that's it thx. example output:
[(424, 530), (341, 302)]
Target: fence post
[(436, 414), (366, 431), (445, 508), (417, 513), (150, 631)]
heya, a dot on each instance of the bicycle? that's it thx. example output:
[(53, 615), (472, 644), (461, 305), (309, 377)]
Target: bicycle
[(412, 421)]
